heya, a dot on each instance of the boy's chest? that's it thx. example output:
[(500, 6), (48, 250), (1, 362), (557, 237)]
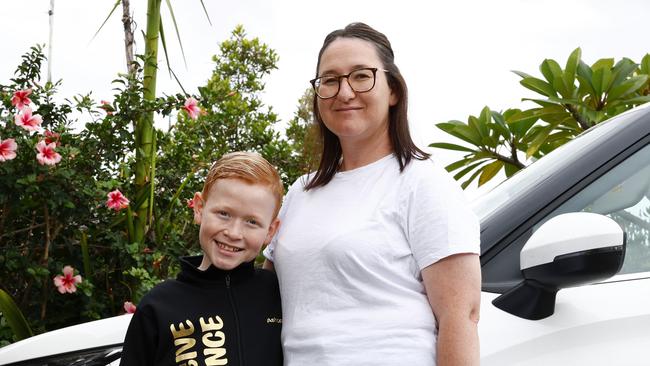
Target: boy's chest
[(220, 327)]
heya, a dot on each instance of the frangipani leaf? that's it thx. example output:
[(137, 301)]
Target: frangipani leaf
[(627, 87), (448, 146), (538, 86), (489, 172), (571, 68)]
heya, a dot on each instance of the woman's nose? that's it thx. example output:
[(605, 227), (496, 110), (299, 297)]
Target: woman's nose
[(345, 90)]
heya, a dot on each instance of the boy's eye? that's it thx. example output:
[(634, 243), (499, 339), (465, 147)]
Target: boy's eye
[(253, 222), (223, 214)]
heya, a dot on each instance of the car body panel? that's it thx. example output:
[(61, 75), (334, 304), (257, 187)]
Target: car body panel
[(592, 325), (95, 334)]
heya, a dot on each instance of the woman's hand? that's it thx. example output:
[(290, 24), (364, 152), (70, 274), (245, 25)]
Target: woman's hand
[(453, 286)]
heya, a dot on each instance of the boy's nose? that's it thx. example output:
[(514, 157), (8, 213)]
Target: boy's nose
[(234, 230)]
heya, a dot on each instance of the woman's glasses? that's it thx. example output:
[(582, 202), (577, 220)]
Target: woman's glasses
[(360, 81)]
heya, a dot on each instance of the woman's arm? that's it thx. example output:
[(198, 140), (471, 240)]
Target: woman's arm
[(453, 286)]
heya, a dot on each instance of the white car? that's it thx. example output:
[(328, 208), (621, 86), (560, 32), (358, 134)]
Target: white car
[(565, 256)]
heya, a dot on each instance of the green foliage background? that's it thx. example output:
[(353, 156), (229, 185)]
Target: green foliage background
[(53, 216)]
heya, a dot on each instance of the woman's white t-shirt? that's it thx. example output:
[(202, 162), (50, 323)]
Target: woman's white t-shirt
[(348, 257)]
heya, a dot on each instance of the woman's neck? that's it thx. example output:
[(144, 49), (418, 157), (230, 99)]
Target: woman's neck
[(361, 153)]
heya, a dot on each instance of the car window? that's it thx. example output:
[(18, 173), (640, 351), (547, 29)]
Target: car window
[(623, 194)]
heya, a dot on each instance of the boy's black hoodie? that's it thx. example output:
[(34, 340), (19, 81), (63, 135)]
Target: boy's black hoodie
[(211, 317)]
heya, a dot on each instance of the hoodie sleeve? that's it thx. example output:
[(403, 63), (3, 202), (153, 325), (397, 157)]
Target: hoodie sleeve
[(141, 340)]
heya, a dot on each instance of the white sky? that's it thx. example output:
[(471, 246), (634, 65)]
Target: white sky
[(455, 56)]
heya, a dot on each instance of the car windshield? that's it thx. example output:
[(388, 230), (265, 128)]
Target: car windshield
[(512, 189)]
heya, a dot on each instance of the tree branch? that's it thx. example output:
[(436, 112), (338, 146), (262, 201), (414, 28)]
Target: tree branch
[(508, 160), (129, 41), (582, 122), (21, 230)]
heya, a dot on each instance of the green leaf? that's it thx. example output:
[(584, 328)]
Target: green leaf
[(510, 170), (117, 3), (468, 169), (462, 131), (206, 12), (585, 76), (14, 317), (644, 68), (475, 124), (457, 164), (448, 146), (551, 70), (627, 87), (489, 172), (623, 70), (500, 125), (484, 121), (468, 181), (538, 140), (538, 86), (558, 84), (521, 74), (178, 35), (571, 68), (603, 63)]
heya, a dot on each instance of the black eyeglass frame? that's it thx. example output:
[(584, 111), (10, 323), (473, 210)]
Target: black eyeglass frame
[(347, 77)]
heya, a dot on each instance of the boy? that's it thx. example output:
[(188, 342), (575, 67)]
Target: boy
[(220, 310)]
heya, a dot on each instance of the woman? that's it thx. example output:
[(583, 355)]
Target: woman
[(377, 251)]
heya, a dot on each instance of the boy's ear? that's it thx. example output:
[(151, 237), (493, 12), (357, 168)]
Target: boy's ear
[(273, 228), (198, 207)]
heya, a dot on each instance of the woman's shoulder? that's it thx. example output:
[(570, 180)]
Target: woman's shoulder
[(426, 169)]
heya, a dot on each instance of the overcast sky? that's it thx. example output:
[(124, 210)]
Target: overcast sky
[(456, 56)]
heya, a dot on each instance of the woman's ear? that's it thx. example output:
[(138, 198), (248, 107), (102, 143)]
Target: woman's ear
[(393, 98), (198, 207)]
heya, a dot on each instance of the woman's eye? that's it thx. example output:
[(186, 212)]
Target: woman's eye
[(329, 81), (362, 76)]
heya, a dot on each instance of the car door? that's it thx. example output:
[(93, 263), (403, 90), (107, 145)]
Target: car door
[(607, 323)]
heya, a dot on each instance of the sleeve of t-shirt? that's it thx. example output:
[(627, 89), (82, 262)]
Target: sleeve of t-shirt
[(439, 221), (140, 346), (268, 251)]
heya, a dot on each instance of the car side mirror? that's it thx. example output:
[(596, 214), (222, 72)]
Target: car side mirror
[(568, 250)]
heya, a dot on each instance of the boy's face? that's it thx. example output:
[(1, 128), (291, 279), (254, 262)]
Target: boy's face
[(236, 220)]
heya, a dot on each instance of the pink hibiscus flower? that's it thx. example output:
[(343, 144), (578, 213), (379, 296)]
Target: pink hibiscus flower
[(116, 200), (51, 137), (190, 202), (47, 154), (192, 108), (26, 120), (67, 282), (21, 98), (8, 149), (129, 308)]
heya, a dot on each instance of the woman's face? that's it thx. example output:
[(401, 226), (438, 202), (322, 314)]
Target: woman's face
[(355, 117)]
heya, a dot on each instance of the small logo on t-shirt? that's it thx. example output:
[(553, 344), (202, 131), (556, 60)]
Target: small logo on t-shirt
[(274, 320)]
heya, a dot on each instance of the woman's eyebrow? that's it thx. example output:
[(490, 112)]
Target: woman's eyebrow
[(333, 72)]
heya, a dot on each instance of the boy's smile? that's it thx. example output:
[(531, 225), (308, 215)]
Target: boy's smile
[(236, 220)]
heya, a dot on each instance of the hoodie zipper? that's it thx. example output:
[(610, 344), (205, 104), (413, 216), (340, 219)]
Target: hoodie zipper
[(234, 311)]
